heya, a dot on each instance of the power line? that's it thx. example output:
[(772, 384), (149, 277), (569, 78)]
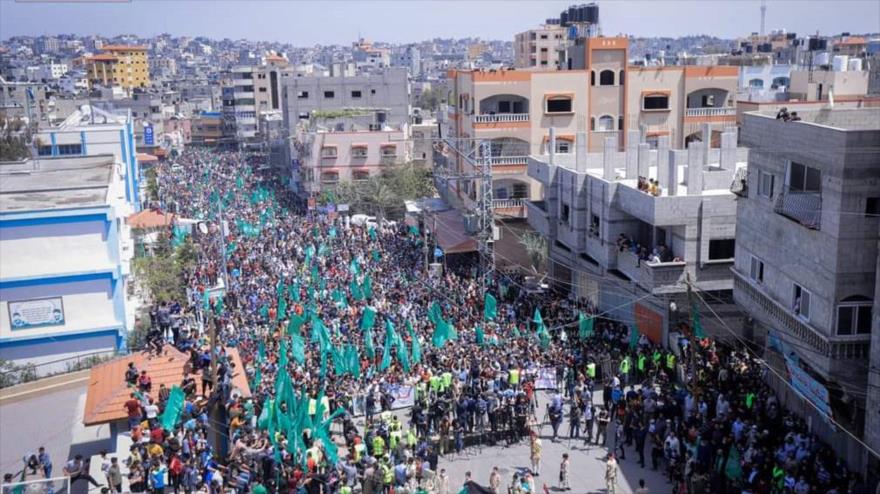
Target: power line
[(760, 361)]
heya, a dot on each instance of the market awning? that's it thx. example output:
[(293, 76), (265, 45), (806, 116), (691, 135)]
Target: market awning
[(449, 231), (144, 158)]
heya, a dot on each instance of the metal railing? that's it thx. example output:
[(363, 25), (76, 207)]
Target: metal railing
[(508, 203), (509, 160), (501, 118), (802, 207), (723, 111), (19, 374)]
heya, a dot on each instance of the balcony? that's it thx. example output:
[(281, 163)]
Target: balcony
[(657, 278), (501, 118), (747, 293), (510, 208), (723, 111), (802, 207)]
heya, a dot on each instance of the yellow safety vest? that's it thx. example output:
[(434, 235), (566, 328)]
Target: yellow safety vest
[(624, 366), (378, 446), (514, 376), (313, 406), (670, 361), (394, 438), (591, 370)]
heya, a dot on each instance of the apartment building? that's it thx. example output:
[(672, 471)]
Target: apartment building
[(324, 158), (381, 99), (239, 103), (601, 95), (807, 256), (119, 65), (539, 47), (639, 222)]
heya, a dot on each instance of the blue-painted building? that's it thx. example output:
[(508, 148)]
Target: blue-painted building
[(65, 254)]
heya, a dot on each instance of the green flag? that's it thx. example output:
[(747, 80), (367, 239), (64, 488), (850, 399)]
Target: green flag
[(299, 348), (218, 306), (355, 267), (355, 289), (293, 291), (368, 318), (367, 287), (372, 232), (698, 325), (416, 345), (481, 338), (585, 326), (490, 307), (376, 255), (173, 409), (732, 468), (633, 336), (538, 320)]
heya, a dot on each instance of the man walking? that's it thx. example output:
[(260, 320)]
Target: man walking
[(564, 483), (610, 474), (536, 454), (77, 469)]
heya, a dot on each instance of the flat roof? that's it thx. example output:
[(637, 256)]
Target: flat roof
[(52, 183), (838, 118)]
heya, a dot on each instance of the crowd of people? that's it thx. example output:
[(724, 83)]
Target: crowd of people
[(332, 320)]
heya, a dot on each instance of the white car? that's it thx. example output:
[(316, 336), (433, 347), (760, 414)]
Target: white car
[(362, 219)]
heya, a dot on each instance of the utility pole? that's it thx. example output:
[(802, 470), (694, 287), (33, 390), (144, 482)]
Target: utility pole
[(763, 14)]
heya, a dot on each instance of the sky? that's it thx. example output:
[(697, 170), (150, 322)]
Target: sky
[(306, 23)]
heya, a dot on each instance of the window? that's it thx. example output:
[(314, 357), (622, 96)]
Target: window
[(328, 152), (559, 105), (756, 270), (720, 249), (504, 107), (708, 100), (606, 78), (389, 151), (359, 175), (543, 50), (872, 207), (620, 77), (801, 302), (329, 177), (563, 147), (372, 91), (802, 178), (606, 124), (655, 102), (329, 94), (520, 191), (854, 316), (501, 193), (594, 225), (592, 123), (303, 115), (592, 77), (564, 213), (620, 122), (44, 151), (359, 152), (262, 90), (756, 83), (765, 184), (355, 94)]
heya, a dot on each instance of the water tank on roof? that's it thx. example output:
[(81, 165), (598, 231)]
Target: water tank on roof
[(821, 58), (839, 63), (854, 65), (563, 18), (592, 13), (572, 14)]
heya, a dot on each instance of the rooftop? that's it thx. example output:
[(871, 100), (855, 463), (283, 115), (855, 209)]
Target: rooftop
[(52, 183), (846, 119), (124, 48)]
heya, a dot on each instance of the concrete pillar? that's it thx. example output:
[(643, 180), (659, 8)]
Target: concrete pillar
[(643, 131), (644, 160), (707, 142), (728, 150), (580, 148), (695, 169), (608, 158), (632, 154), (677, 157), (552, 144), (663, 172)]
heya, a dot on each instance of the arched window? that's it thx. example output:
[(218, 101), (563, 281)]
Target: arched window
[(621, 77), (780, 82), (606, 123), (757, 83), (360, 175), (606, 78)]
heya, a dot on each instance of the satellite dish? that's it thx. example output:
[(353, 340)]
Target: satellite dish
[(203, 228)]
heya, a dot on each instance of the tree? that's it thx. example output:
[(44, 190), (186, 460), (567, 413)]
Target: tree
[(536, 249), (13, 147), (428, 100)]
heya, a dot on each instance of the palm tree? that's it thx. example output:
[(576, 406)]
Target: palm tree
[(536, 249), (381, 196)]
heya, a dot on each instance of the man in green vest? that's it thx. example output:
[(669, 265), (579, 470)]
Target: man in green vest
[(624, 370), (670, 364), (591, 370), (643, 360), (378, 446)]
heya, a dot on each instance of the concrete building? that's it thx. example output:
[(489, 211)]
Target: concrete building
[(208, 129), (515, 109), (806, 258), (91, 131), (382, 99), (25, 101), (119, 65), (64, 260), (323, 159), (539, 47), (764, 82), (818, 85), (639, 222)]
